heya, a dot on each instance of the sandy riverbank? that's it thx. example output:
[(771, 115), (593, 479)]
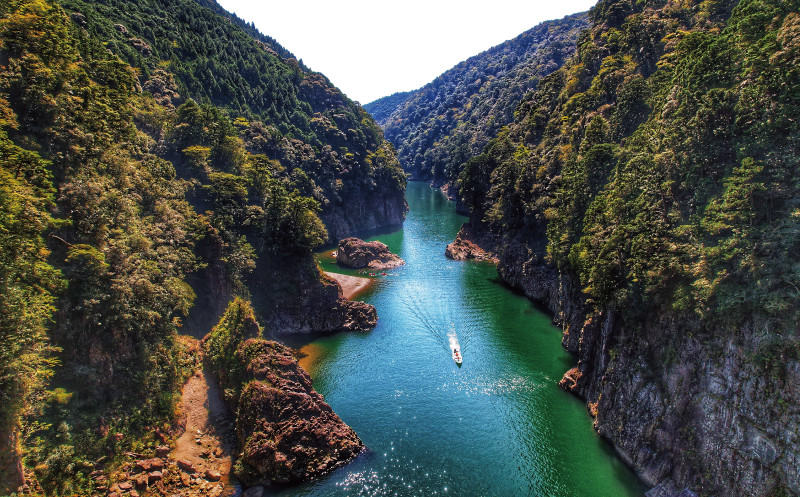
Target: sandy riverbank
[(351, 285)]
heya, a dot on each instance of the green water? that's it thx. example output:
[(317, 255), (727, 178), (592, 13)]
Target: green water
[(498, 425)]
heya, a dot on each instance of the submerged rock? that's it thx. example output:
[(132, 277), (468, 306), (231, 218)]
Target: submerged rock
[(357, 253)]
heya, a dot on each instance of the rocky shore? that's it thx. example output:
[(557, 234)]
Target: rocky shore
[(683, 407), (285, 429), (470, 243), (356, 253)]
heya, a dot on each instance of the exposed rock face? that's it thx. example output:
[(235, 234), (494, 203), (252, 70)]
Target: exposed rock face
[(290, 295), (285, 429), (357, 253), (306, 301), (471, 244), (363, 213), (683, 407)]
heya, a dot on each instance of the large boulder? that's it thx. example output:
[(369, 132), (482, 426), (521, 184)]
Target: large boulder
[(471, 244), (356, 253)]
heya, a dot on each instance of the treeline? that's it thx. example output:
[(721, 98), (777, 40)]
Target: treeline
[(185, 49), (658, 164)]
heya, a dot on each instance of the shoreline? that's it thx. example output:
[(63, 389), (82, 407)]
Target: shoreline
[(351, 285)]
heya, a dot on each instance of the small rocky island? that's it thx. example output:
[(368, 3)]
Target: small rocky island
[(356, 253)]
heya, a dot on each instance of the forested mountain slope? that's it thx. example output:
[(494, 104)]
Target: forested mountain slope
[(130, 213), (329, 145), (382, 108), (649, 194), (444, 123)]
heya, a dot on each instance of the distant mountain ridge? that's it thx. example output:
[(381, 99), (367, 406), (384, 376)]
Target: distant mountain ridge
[(440, 126), (382, 108)]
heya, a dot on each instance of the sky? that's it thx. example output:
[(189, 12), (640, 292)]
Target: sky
[(373, 48)]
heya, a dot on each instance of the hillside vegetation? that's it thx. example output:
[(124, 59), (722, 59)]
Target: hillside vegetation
[(326, 144), (659, 164), (440, 126), (135, 181), (657, 175)]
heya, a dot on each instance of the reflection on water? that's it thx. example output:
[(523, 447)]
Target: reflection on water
[(499, 425)]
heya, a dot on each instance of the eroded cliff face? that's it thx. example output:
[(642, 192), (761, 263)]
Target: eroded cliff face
[(286, 432), (682, 406), (365, 213)]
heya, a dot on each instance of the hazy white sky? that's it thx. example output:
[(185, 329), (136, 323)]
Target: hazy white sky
[(373, 48)]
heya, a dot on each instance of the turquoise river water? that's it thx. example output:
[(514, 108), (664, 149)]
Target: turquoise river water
[(499, 425)]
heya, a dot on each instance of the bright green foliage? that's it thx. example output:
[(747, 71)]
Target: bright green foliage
[(661, 165), (236, 325), (124, 246), (101, 182), (440, 126), (185, 52)]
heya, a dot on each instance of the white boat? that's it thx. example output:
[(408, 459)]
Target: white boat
[(455, 346)]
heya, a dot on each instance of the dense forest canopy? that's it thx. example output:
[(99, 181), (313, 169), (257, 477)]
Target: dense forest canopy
[(326, 142), (659, 165), (140, 144)]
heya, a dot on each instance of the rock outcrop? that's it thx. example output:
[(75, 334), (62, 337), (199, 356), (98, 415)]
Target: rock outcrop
[(286, 433), (356, 253), (471, 244), (365, 212), (286, 430)]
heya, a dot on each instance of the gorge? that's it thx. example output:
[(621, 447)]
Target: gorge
[(615, 249)]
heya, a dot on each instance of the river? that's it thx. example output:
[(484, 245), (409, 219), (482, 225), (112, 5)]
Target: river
[(499, 425)]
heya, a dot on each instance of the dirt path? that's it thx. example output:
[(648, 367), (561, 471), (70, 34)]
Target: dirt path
[(207, 442)]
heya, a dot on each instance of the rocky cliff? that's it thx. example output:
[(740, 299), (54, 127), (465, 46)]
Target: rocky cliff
[(679, 405), (286, 430), (365, 213)]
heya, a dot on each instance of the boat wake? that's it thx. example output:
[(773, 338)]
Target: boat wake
[(439, 326), (455, 346)]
